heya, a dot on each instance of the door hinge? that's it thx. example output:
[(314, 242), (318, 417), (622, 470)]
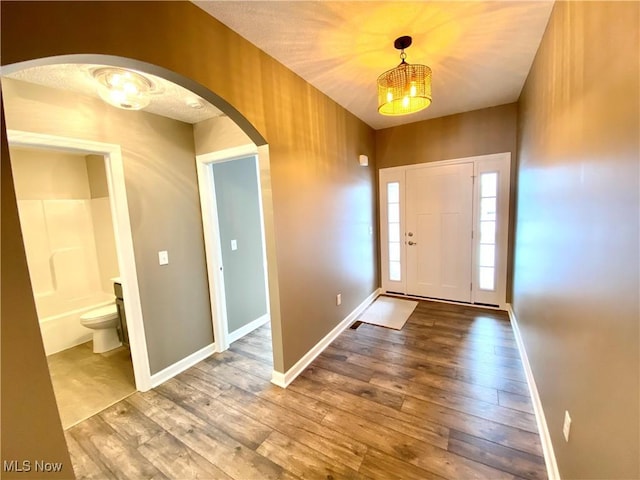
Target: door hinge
[(471, 286)]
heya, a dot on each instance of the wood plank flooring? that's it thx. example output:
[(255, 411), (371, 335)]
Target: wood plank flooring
[(443, 398)]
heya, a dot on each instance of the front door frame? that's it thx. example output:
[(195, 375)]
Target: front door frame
[(398, 174)]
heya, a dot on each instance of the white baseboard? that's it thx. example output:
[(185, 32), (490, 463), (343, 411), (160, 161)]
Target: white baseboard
[(180, 366), (248, 328), (284, 379), (543, 429)]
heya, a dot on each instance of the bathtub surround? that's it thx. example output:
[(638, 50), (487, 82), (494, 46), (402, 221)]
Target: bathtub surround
[(62, 227)]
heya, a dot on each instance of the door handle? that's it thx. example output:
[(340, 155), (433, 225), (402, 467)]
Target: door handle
[(412, 243)]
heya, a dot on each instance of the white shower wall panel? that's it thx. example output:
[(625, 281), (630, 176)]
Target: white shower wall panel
[(63, 262), (36, 244), (69, 223)]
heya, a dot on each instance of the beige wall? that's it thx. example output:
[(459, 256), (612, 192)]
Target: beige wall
[(480, 132), (323, 201), (468, 134), (218, 133), (164, 207), (49, 175), (97, 176), (102, 221), (576, 282)]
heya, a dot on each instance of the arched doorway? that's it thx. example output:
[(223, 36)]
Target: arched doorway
[(146, 377)]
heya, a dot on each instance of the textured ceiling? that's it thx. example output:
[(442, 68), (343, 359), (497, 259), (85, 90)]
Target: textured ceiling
[(171, 100), (480, 52)]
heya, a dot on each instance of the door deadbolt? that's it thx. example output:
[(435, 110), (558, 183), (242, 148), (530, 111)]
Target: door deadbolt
[(410, 234)]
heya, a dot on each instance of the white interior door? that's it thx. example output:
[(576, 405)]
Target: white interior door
[(439, 206)]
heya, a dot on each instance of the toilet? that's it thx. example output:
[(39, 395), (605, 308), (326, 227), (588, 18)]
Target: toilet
[(104, 322)]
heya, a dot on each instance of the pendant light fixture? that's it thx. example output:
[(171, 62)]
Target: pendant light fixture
[(406, 88)]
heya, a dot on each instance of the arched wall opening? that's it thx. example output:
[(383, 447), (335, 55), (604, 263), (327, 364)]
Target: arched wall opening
[(152, 371)]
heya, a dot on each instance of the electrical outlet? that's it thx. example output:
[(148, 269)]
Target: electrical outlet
[(566, 426), (339, 299)]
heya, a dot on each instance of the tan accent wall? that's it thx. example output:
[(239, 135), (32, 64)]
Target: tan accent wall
[(164, 207), (576, 283), (468, 134), (28, 407)]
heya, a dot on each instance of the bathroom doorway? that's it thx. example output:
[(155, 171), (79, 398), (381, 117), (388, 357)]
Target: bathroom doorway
[(71, 204)]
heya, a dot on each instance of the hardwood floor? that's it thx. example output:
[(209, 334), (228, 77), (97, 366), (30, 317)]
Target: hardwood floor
[(445, 397)]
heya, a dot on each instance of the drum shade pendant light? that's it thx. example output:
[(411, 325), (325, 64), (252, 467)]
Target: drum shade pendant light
[(406, 88)]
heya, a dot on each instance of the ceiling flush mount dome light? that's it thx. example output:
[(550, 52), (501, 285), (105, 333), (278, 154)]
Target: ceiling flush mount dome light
[(122, 88), (405, 88)]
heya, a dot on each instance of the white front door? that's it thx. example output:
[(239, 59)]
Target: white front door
[(439, 207), (428, 216)]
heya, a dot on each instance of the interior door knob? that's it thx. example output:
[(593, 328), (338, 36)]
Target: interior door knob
[(412, 243)]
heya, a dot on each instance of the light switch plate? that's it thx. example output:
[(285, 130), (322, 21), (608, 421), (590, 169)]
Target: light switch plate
[(234, 244), (163, 257)]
